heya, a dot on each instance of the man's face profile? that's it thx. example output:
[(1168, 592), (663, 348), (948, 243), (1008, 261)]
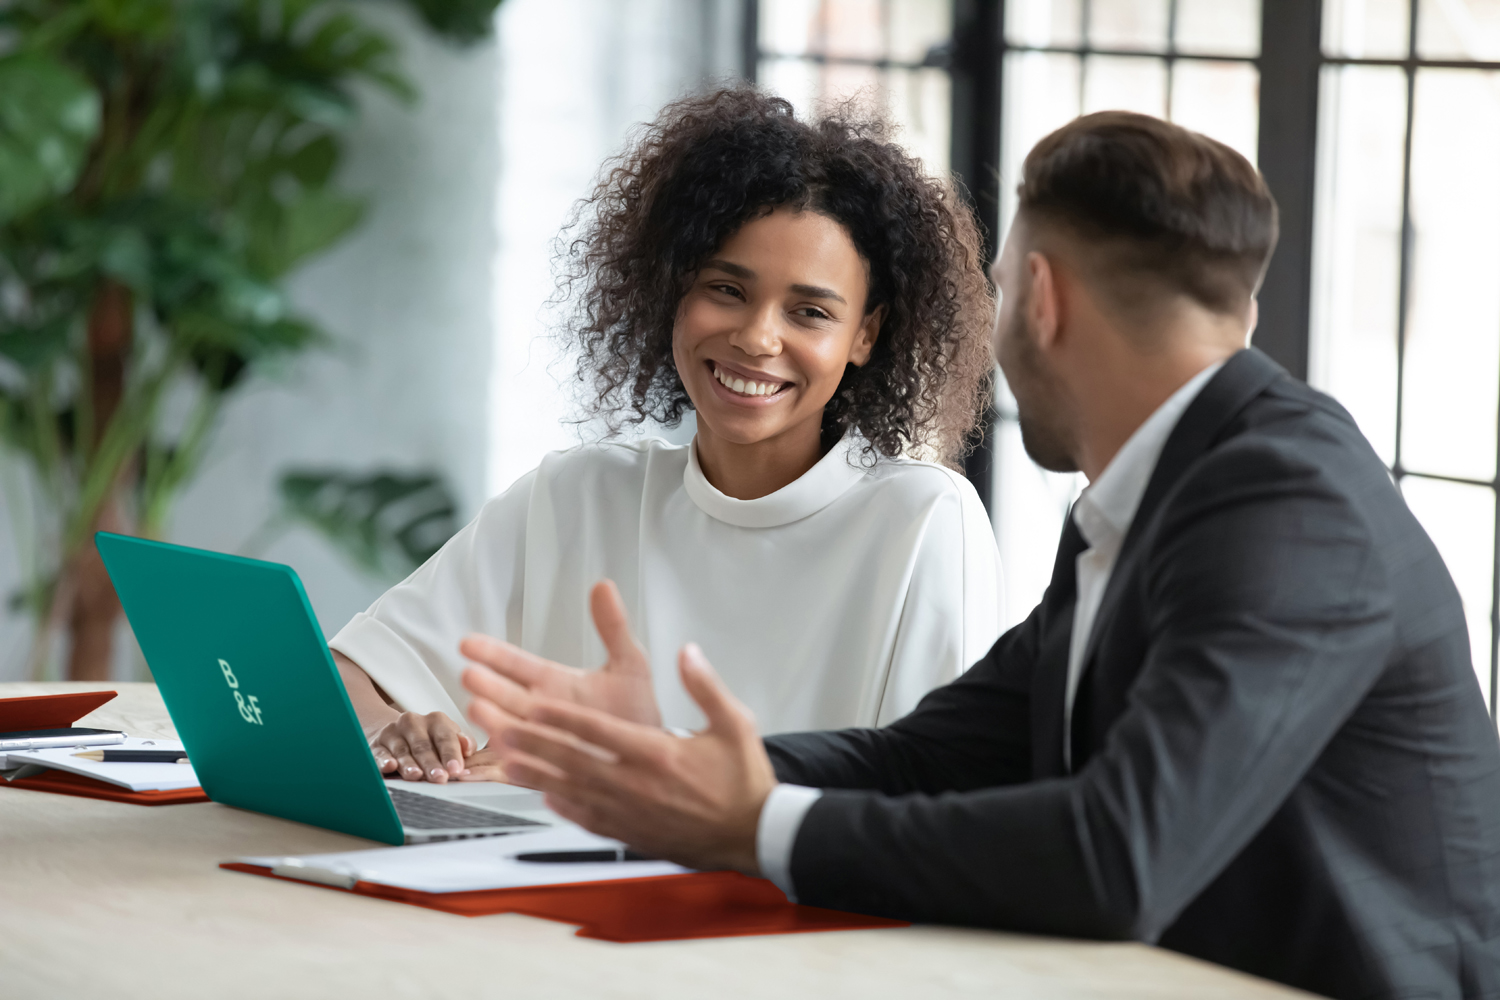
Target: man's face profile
[(1040, 404)]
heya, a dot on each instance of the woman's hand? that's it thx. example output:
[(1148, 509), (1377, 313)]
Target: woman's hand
[(418, 747), (622, 687)]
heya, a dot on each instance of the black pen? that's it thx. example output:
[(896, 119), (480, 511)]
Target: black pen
[(578, 857), (136, 756)]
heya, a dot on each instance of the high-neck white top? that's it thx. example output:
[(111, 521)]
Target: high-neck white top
[(839, 600)]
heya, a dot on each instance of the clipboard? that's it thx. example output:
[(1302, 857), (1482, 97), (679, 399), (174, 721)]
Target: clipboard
[(628, 911), (61, 711)]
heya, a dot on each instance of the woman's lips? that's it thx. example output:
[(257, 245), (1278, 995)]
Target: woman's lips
[(745, 388)]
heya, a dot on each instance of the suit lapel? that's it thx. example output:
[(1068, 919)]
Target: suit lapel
[(1244, 376), (1049, 681)]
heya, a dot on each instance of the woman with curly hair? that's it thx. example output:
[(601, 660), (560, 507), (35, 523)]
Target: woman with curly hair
[(820, 305)]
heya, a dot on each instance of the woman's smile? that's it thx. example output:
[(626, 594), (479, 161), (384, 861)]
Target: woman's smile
[(747, 387)]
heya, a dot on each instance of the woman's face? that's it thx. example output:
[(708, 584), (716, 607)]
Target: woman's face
[(768, 325)]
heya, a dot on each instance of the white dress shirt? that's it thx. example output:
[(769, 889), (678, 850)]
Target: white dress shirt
[(1103, 513), (839, 600)]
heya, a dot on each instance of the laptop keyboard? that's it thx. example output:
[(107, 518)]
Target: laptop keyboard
[(423, 812)]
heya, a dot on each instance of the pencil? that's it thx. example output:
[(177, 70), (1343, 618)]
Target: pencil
[(136, 756)]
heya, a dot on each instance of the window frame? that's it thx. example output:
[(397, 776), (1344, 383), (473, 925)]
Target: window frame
[(1291, 63), (1410, 65)]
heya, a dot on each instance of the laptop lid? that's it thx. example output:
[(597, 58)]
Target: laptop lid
[(244, 670)]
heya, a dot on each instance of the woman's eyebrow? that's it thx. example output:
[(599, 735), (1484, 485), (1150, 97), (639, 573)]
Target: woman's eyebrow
[(735, 270), (741, 271), (818, 292)]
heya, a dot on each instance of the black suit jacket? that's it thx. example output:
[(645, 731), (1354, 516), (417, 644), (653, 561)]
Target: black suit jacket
[(1282, 759)]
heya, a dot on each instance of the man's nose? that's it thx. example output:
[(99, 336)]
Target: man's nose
[(761, 334)]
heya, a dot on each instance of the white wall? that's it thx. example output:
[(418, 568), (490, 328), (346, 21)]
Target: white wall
[(575, 76)]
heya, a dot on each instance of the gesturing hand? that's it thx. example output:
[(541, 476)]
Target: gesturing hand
[(622, 687), (695, 801)]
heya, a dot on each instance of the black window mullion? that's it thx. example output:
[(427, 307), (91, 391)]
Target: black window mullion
[(1408, 241), (750, 41), (1171, 54), (1290, 63), (1495, 586), (977, 70)]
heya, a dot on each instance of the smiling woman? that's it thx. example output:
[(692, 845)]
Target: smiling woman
[(819, 302), (763, 337)]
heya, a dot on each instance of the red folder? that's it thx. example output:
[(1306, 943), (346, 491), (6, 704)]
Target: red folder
[(49, 711), (664, 908), (67, 783), (60, 711)]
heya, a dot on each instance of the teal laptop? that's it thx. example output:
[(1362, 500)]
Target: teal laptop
[(256, 698)]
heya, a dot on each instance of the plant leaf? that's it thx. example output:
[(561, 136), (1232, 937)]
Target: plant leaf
[(49, 115), (458, 20), (385, 521), (311, 223), (33, 348)]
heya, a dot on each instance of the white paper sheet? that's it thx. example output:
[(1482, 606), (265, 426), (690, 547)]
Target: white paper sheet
[(136, 777), (466, 865)]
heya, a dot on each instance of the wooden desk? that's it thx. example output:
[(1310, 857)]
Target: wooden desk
[(104, 899)]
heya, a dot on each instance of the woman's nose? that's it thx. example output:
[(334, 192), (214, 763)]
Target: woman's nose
[(761, 333)]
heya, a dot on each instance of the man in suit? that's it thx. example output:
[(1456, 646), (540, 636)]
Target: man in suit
[(1243, 722)]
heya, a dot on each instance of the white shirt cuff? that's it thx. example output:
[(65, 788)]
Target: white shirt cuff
[(780, 819)]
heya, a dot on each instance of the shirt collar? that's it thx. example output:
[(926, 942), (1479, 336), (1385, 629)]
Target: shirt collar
[(815, 489), (1105, 509)]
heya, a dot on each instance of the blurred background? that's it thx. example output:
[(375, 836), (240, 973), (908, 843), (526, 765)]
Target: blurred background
[(277, 282)]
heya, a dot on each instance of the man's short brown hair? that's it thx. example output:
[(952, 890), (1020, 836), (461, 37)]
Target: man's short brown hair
[(1155, 208)]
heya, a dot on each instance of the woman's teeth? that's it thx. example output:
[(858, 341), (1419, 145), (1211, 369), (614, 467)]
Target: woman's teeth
[(745, 387)]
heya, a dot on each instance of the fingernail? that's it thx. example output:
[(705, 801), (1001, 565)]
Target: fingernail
[(466, 771), (456, 766), (438, 772)]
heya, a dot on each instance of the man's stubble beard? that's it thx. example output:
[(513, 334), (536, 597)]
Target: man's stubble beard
[(1040, 402)]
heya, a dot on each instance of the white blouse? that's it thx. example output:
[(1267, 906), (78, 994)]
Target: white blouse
[(839, 600)]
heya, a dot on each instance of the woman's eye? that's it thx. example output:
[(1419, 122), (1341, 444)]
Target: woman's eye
[(813, 312), (726, 290)]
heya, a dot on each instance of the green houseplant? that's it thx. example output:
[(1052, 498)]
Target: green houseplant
[(164, 164)]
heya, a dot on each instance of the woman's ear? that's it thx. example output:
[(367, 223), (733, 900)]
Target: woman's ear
[(864, 340)]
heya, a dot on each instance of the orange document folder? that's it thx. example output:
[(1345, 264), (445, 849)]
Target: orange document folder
[(61, 711), (663, 908), (49, 711)]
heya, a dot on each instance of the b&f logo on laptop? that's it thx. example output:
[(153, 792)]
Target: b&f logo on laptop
[(249, 707)]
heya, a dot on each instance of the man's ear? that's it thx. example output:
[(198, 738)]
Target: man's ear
[(1254, 319), (1044, 303), (864, 340)]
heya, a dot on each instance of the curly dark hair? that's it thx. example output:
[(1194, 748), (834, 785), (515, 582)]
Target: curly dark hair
[(705, 167)]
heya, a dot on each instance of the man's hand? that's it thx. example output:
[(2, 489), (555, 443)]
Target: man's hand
[(695, 801), (622, 687), (483, 765)]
